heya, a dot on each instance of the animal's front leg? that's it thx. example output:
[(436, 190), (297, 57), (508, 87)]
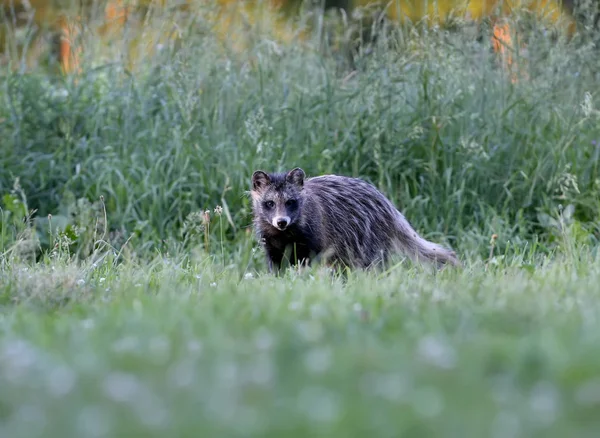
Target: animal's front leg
[(274, 258)]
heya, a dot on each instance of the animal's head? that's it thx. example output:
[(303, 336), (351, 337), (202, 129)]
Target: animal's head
[(277, 198)]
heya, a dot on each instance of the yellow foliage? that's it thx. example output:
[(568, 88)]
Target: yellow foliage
[(231, 19), (438, 11)]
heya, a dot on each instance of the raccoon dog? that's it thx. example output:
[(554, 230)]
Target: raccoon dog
[(339, 220)]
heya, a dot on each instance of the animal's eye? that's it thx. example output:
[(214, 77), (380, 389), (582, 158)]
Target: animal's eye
[(269, 204), (290, 203)]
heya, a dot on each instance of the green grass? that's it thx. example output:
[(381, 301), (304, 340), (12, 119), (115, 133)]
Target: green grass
[(126, 311), (189, 350)]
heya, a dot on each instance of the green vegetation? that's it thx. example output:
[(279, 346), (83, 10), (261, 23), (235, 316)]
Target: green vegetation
[(127, 310), (165, 349)]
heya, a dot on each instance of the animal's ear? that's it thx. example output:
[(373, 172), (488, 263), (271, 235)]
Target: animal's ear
[(260, 180), (296, 177)]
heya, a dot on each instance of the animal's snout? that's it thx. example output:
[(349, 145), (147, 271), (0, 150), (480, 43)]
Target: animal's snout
[(281, 222)]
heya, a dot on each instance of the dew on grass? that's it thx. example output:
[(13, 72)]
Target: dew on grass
[(318, 360), (438, 295), (319, 404), (318, 311), (121, 387), (61, 381), (392, 386), (436, 352), (544, 402), (227, 374), (294, 306), (94, 421), (87, 324), (310, 331), (263, 339), (262, 371), (506, 425), (194, 346), (16, 359)]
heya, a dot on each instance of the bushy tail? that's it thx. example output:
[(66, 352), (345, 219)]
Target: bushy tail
[(422, 250)]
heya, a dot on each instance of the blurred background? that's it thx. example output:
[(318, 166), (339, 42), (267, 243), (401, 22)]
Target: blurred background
[(38, 29)]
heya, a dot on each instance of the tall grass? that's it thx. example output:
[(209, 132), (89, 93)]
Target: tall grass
[(428, 115)]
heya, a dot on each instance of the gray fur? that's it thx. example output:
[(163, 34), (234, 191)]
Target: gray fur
[(338, 219)]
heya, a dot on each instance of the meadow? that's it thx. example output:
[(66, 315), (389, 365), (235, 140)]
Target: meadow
[(134, 299)]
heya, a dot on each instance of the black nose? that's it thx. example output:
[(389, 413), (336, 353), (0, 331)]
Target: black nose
[(282, 223)]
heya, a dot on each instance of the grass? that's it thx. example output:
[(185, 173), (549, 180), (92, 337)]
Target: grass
[(134, 300), (429, 117), (192, 350)]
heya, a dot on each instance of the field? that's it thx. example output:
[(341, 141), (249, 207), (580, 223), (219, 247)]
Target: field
[(135, 300)]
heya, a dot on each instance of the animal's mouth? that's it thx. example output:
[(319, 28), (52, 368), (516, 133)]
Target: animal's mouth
[(281, 222), (276, 227)]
